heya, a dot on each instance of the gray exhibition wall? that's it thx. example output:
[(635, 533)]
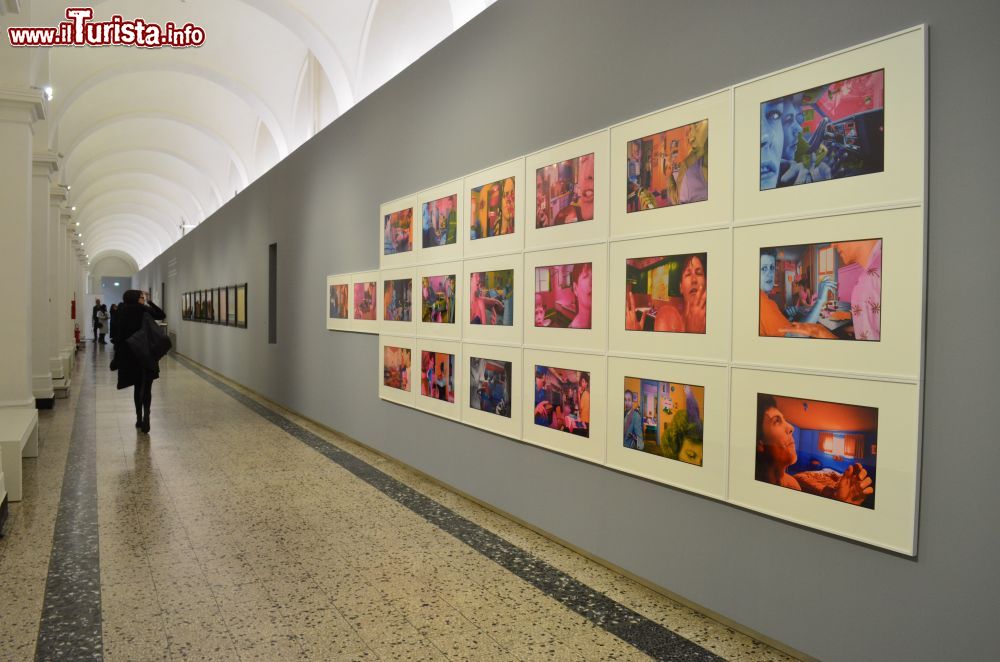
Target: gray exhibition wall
[(527, 74)]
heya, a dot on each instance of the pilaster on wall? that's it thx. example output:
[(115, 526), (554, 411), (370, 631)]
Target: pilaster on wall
[(57, 200), (19, 110), (44, 167)]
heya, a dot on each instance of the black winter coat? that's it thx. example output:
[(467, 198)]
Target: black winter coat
[(128, 320)]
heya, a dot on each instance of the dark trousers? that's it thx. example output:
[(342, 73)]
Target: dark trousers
[(143, 396)]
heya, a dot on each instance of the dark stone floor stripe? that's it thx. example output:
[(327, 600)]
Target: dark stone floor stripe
[(644, 634), (70, 628)]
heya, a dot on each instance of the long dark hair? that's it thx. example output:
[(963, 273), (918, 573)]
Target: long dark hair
[(131, 297)]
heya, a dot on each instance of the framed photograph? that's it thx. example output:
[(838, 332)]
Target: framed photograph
[(241, 305), (223, 307), (494, 210), (396, 233), (676, 423), (661, 177), (843, 132), (565, 302), (210, 307), (670, 296), (491, 399), (231, 305), (186, 309), (839, 455), (442, 212), (399, 302), (569, 202), (338, 302), (559, 388), (440, 390), (841, 295), (398, 364), (219, 314), (490, 289), (195, 306), (365, 301), (440, 313)]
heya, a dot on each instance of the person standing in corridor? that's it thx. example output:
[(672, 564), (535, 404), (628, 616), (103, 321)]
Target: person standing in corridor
[(131, 372)]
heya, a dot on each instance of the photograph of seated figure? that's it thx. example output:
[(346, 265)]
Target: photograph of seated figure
[(338, 302), (364, 300), (438, 299), (664, 418), (489, 385), (491, 209), (397, 304), (822, 448), (667, 293), (564, 296), (440, 221), (564, 192), (491, 297), (562, 400), (396, 367), (832, 131), (668, 168), (830, 291), (397, 233), (437, 376)]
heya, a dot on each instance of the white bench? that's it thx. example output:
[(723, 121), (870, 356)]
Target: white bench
[(18, 438)]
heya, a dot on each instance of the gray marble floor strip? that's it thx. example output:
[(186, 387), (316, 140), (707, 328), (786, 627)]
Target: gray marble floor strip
[(70, 628), (648, 636)]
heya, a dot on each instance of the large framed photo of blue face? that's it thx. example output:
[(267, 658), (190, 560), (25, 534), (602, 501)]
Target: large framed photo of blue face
[(841, 133)]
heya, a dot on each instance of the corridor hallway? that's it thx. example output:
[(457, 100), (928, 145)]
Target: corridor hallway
[(238, 531)]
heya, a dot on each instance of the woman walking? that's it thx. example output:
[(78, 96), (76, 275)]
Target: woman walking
[(128, 319)]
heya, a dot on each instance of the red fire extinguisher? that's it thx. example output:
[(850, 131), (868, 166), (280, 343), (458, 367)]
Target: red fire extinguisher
[(76, 332)]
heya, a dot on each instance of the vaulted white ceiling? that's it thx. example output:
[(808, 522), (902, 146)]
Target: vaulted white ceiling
[(156, 139)]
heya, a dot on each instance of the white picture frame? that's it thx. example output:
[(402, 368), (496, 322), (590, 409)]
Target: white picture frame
[(494, 245), (436, 406), (444, 330), (449, 252), (334, 323), (716, 210), (708, 479), (903, 57), (401, 259), (897, 354), (594, 339), (891, 524), (489, 333), (402, 396), (712, 346), (590, 448), (359, 279), (390, 326), (486, 420), (568, 234)]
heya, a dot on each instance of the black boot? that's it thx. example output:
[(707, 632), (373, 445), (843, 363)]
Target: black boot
[(145, 421)]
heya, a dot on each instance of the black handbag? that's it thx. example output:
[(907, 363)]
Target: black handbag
[(149, 344)]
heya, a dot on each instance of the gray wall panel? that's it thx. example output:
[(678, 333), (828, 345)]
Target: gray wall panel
[(527, 74)]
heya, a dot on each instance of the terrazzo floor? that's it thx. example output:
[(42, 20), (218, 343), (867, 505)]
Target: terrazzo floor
[(238, 531)]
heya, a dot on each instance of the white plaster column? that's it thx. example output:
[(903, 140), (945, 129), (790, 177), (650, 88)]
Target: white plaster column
[(44, 166), (19, 109), (67, 346), (57, 200)]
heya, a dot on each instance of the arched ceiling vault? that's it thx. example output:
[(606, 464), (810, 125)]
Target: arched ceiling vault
[(152, 138)]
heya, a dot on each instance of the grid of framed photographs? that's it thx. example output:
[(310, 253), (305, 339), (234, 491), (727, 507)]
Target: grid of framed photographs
[(601, 293), (221, 305)]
